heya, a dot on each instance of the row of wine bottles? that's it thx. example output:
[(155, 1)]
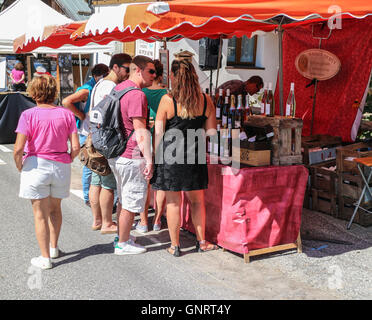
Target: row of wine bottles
[(233, 112), (222, 144)]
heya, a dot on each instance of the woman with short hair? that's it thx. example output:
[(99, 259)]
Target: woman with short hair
[(41, 155)]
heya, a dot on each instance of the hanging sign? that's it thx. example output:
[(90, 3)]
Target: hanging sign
[(317, 64)]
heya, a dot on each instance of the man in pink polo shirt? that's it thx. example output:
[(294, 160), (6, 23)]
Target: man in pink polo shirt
[(134, 168)]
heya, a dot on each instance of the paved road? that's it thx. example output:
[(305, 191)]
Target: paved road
[(88, 269)]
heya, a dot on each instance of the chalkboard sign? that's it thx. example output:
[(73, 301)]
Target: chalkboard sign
[(65, 75), (164, 59)]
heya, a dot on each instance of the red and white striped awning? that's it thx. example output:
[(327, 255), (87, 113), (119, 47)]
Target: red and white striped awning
[(193, 19)]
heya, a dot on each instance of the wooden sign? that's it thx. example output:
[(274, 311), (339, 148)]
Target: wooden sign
[(317, 64)]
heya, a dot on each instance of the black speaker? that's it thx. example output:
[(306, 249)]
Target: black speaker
[(208, 53)]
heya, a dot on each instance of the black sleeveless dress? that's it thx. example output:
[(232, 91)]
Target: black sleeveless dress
[(182, 168)]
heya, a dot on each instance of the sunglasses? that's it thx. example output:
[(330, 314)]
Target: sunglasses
[(152, 71), (126, 68)]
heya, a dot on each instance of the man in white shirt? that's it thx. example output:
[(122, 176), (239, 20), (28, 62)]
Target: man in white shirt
[(101, 193)]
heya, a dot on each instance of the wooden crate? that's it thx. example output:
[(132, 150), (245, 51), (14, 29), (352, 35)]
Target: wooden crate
[(323, 186), (355, 150), (286, 143), (254, 158), (346, 209), (351, 186), (318, 141)]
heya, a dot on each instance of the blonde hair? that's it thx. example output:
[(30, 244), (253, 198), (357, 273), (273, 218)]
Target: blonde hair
[(186, 89), (43, 89)]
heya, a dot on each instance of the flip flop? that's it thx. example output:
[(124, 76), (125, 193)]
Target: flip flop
[(208, 247)]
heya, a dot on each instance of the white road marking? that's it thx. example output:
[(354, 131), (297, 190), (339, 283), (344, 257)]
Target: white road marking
[(4, 149), (78, 193)]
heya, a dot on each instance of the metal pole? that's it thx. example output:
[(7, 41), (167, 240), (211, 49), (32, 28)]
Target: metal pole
[(81, 70), (280, 33), (219, 61)]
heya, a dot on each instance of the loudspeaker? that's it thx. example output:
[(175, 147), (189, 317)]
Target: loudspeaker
[(208, 53)]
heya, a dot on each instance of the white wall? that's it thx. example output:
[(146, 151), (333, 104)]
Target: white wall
[(267, 57)]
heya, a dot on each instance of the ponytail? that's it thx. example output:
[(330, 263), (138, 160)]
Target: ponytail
[(186, 89)]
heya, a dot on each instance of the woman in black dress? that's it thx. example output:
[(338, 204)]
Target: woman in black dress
[(179, 166)]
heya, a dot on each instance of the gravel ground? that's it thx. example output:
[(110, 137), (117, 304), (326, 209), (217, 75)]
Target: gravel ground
[(333, 258)]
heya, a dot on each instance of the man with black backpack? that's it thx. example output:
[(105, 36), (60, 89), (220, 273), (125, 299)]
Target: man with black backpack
[(101, 193), (134, 167)]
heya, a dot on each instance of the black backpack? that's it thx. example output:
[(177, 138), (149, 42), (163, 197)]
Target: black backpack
[(108, 133)]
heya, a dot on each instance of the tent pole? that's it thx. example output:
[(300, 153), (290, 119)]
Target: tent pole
[(81, 71), (218, 61), (280, 33)]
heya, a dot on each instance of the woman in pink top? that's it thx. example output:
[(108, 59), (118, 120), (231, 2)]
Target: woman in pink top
[(41, 155), (18, 78)]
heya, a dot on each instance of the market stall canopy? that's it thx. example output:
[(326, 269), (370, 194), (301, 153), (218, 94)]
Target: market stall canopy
[(28, 19), (193, 19)]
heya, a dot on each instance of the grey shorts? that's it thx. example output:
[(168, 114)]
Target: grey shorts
[(106, 182), (131, 183), (41, 178)]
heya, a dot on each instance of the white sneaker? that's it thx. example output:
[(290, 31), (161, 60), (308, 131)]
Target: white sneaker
[(54, 252), (129, 248), (41, 262), (116, 240)]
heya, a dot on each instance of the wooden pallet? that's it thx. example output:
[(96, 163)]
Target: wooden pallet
[(286, 143), (296, 245)]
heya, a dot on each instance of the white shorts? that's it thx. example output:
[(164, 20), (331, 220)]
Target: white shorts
[(41, 178), (130, 182)]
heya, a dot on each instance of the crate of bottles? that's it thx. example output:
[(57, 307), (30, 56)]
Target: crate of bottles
[(286, 142), (319, 148)]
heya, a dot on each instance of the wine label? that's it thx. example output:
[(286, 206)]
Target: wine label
[(288, 110), (267, 108), (270, 134), (224, 120), (215, 148), (243, 136), (237, 124), (218, 113), (262, 108)]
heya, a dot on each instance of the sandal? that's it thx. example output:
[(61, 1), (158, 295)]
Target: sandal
[(206, 245), (97, 227), (113, 229), (176, 251)]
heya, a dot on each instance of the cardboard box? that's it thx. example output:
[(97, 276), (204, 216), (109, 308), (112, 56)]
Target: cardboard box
[(254, 158)]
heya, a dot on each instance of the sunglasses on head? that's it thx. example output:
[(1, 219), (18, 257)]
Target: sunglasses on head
[(126, 69)]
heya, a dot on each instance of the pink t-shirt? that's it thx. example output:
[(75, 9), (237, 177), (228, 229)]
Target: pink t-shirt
[(17, 75), (133, 105), (47, 132)]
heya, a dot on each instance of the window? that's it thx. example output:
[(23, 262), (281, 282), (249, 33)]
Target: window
[(242, 51)]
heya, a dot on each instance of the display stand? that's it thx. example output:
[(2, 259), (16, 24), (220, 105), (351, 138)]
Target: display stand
[(254, 211), (296, 245)]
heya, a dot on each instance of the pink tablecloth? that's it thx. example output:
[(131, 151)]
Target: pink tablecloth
[(257, 208)]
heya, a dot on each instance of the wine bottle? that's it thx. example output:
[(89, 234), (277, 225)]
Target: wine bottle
[(232, 111), (216, 142), (270, 104), (290, 110), (225, 113), (239, 115), (219, 105), (264, 100), (228, 94), (247, 110)]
